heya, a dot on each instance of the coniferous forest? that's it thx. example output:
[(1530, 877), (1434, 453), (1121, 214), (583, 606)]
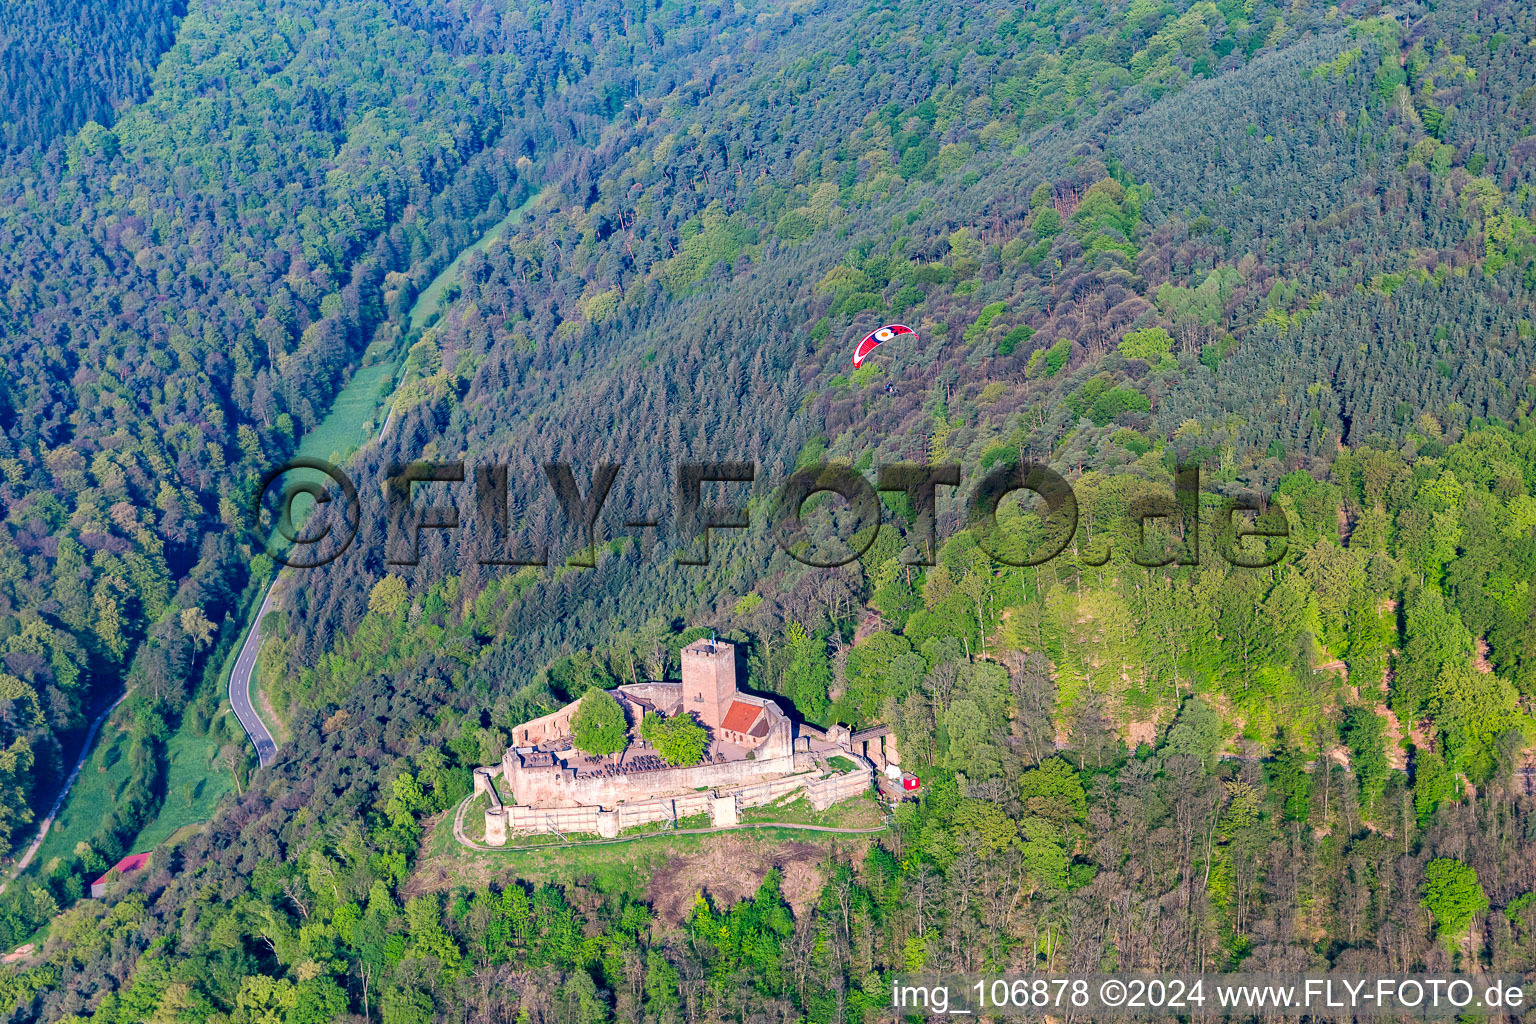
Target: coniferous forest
[(1288, 243)]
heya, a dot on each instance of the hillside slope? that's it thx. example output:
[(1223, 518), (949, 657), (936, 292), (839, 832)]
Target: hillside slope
[(1291, 243)]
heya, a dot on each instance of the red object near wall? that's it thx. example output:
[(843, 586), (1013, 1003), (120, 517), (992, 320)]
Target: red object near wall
[(127, 865), (909, 782)]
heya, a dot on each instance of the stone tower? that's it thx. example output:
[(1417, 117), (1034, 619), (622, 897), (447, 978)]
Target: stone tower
[(709, 680)]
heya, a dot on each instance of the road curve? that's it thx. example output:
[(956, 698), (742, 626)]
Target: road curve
[(240, 686), (240, 678)]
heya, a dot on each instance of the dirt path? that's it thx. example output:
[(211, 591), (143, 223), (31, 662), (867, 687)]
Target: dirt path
[(58, 801)]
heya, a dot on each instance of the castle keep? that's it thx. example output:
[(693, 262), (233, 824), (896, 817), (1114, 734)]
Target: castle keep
[(756, 755)]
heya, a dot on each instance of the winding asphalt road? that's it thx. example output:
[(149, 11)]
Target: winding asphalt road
[(240, 687), (240, 677), (245, 664)]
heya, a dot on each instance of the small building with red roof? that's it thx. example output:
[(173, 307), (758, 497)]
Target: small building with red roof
[(127, 866)]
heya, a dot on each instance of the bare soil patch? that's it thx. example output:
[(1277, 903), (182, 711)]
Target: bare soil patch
[(730, 869), (1137, 733)]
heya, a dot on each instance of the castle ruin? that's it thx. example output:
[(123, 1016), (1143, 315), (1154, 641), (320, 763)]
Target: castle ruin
[(756, 754)]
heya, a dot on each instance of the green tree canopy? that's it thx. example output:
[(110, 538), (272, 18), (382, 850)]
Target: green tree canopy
[(1054, 792), (984, 826), (1452, 893), (599, 727), (1364, 732), (1153, 345), (1288, 774), (1197, 732), (678, 739)]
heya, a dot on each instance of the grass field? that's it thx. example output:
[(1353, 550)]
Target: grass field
[(430, 301), (102, 777), (618, 867), (356, 415), (195, 783), (863, 812), (612, 867)]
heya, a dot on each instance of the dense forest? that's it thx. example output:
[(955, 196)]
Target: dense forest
[(1290, 243), (63, 65), (186, 292)]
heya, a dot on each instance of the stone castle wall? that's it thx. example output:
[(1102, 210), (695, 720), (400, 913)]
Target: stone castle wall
[(824, 793), (495, 813), (662, 695), (560, 786), (591, 819), (764, 793), (553, 819), (722, 806), (544, 730)]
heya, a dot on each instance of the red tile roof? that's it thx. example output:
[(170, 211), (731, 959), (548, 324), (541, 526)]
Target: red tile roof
[(740, 716), (128, 864)]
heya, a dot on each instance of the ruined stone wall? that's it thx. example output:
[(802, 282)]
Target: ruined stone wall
[(665, 809), (596, 820), (780, 741), (826, 792), (662, 695), (484, 779), (543, 730), (822, 793), (767, 792), (557, 724), (558, 819), (555, 786)]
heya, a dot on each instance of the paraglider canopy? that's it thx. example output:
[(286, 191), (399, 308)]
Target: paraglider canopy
[(874, 339)]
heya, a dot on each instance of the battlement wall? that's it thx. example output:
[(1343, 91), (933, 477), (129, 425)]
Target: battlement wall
[(767, 792), (604, 822), (560, 786), (663, 696), (721, 804), (553, 819)]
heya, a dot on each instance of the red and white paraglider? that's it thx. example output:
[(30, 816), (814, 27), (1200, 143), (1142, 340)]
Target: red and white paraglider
[(874, 339)]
